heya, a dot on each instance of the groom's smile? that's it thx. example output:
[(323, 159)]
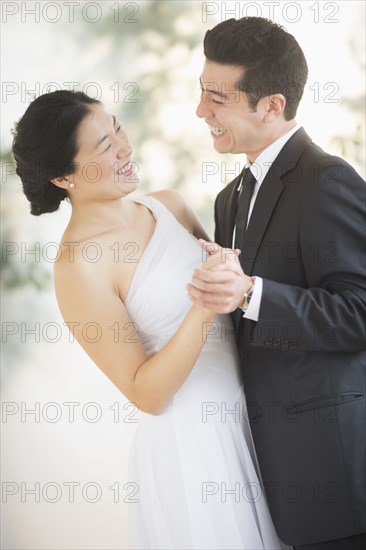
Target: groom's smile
[(217, 130)]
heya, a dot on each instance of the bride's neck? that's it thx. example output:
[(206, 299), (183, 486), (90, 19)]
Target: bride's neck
[(95, 217)]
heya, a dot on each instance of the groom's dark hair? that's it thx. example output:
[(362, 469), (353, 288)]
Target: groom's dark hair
[(272, 59)]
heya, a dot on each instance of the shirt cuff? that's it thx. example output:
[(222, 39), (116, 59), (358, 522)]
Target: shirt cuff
[(252, 311)]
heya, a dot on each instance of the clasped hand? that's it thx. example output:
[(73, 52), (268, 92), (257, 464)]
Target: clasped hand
[(220, 283)]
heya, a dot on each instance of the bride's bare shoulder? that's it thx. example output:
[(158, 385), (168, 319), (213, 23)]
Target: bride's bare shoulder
[(79, 259), (179, 206), (170, 197)]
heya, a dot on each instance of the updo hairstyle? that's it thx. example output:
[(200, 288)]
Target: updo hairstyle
[(45, 145)]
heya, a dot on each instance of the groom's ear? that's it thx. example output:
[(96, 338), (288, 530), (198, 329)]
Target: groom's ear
[(273, 106)]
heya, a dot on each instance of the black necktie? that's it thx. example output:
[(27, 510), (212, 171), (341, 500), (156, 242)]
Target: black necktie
[(241, 218)]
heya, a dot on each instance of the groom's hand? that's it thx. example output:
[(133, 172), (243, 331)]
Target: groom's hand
[(220, 283)]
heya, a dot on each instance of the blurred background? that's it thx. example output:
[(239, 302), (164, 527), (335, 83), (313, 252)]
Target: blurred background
[(66, 429)]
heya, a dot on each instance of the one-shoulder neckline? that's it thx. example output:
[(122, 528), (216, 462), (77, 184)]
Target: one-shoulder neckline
[(158, 209), (141, 200)]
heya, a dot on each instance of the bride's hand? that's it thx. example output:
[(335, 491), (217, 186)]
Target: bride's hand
[(220, 283)]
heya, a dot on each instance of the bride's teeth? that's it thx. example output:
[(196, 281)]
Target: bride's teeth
[(124, 169), (217, 130)]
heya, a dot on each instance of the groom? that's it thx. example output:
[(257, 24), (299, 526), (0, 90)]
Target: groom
[(298, 293)]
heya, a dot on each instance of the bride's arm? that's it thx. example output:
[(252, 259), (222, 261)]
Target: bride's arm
[(99, 321), (182, 210)]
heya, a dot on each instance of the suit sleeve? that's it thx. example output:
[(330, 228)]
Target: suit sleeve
[(330, 314)]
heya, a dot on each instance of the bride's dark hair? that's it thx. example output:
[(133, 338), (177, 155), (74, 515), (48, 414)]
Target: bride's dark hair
[(45, 145)]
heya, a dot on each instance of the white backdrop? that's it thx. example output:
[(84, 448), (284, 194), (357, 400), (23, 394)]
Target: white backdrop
[(45, 452)]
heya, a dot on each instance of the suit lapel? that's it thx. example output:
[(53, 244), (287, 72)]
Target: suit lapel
[(269, 195), (265, 203)]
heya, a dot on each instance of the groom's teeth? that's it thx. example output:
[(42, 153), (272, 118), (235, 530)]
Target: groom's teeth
[(217, 130)]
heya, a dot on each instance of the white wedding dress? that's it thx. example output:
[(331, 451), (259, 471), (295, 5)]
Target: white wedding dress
[(194, 465)]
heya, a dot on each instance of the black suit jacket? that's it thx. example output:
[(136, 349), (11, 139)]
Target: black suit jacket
[(303, 362)]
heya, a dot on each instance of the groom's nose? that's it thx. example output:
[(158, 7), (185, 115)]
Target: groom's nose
[(203, 110)]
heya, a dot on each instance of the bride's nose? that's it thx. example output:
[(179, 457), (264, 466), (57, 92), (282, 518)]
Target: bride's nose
[(124, 149)]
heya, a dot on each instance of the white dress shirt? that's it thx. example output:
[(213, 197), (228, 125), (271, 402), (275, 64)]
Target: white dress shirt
[(260, 169)]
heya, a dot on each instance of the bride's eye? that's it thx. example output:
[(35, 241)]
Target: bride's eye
[(109, 146)]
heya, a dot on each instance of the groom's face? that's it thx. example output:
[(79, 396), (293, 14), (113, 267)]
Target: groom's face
[(234, 126)]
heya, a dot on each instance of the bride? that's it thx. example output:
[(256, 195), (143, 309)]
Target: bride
[(192, 456)]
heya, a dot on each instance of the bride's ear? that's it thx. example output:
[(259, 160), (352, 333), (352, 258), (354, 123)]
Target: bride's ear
[(62, 181)]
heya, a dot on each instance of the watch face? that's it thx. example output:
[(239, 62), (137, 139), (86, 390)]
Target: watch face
[(247, 296)]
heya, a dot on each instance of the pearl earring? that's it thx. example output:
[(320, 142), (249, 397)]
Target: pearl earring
[(72, 185)]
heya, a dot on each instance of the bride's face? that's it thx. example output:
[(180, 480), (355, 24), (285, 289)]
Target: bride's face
[(103, 160)]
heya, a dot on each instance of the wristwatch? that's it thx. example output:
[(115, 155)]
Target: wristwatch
[(248, 297)]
